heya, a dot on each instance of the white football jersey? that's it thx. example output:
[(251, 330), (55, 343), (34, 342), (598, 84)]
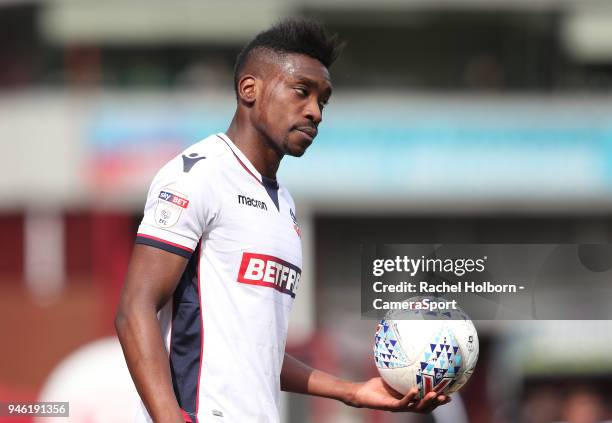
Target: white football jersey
[(226, 326)]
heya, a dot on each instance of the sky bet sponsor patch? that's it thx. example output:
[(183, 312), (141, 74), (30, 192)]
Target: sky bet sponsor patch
[(170, 205), (174, 199)]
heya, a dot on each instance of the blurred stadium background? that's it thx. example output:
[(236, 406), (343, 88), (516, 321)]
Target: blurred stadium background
[(452, 121)]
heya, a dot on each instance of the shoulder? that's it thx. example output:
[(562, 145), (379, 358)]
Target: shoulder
[(193, 175), (211, 148), (197, 160)]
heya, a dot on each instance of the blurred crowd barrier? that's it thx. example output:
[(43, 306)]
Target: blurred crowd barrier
[(406, 149)]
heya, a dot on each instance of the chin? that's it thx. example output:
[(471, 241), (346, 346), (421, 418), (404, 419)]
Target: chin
[(296, 147), (296, 152)]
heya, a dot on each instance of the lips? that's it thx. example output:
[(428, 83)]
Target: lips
[(308, 130)]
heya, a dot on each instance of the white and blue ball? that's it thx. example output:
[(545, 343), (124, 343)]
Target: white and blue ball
[(431, 350)]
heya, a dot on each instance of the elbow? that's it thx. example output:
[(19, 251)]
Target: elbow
[(130, 315), (121, 321)]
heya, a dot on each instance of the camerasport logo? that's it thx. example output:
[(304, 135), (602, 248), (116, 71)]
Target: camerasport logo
[(269, 271), (170, 205)]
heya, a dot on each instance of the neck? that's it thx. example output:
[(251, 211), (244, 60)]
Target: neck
[(255, 147)]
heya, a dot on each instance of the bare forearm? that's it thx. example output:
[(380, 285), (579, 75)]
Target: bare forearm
[(142, 344), (299, 378), (374, 393)]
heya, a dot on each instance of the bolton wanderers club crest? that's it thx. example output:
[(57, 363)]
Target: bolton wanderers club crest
[(295, 224)]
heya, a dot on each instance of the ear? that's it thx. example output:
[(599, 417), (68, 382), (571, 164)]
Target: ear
[(247, 88)]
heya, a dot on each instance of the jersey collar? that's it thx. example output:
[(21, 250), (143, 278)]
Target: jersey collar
[(242, 159)]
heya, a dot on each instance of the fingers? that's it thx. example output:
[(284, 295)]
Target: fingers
[(427, 404), (410, 397), (431, 401)]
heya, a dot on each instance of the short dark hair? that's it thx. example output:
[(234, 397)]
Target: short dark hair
[(297, 36)]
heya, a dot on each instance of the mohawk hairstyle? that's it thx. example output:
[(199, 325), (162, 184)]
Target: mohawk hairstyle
[(296, 36)]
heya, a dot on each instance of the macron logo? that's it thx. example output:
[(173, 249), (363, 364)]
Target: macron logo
[(269, 271), (189, 162), (248, 201)]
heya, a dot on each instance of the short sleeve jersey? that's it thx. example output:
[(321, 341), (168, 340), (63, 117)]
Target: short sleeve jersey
[(225, 327)]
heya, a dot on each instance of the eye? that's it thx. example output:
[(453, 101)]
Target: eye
[(302, 92), (322, 104)]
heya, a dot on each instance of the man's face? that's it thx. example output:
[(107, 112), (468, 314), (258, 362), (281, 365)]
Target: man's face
[(289, 105)]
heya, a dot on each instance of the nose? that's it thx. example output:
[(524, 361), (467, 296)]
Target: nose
[(313, 112)]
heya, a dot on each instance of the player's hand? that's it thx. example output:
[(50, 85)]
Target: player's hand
[(377, 394)]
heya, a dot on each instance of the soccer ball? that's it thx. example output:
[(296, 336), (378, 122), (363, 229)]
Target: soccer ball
[(432, 350)]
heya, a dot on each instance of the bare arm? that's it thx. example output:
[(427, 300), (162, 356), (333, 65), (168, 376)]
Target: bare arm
[(375, 393), (151, 280)]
